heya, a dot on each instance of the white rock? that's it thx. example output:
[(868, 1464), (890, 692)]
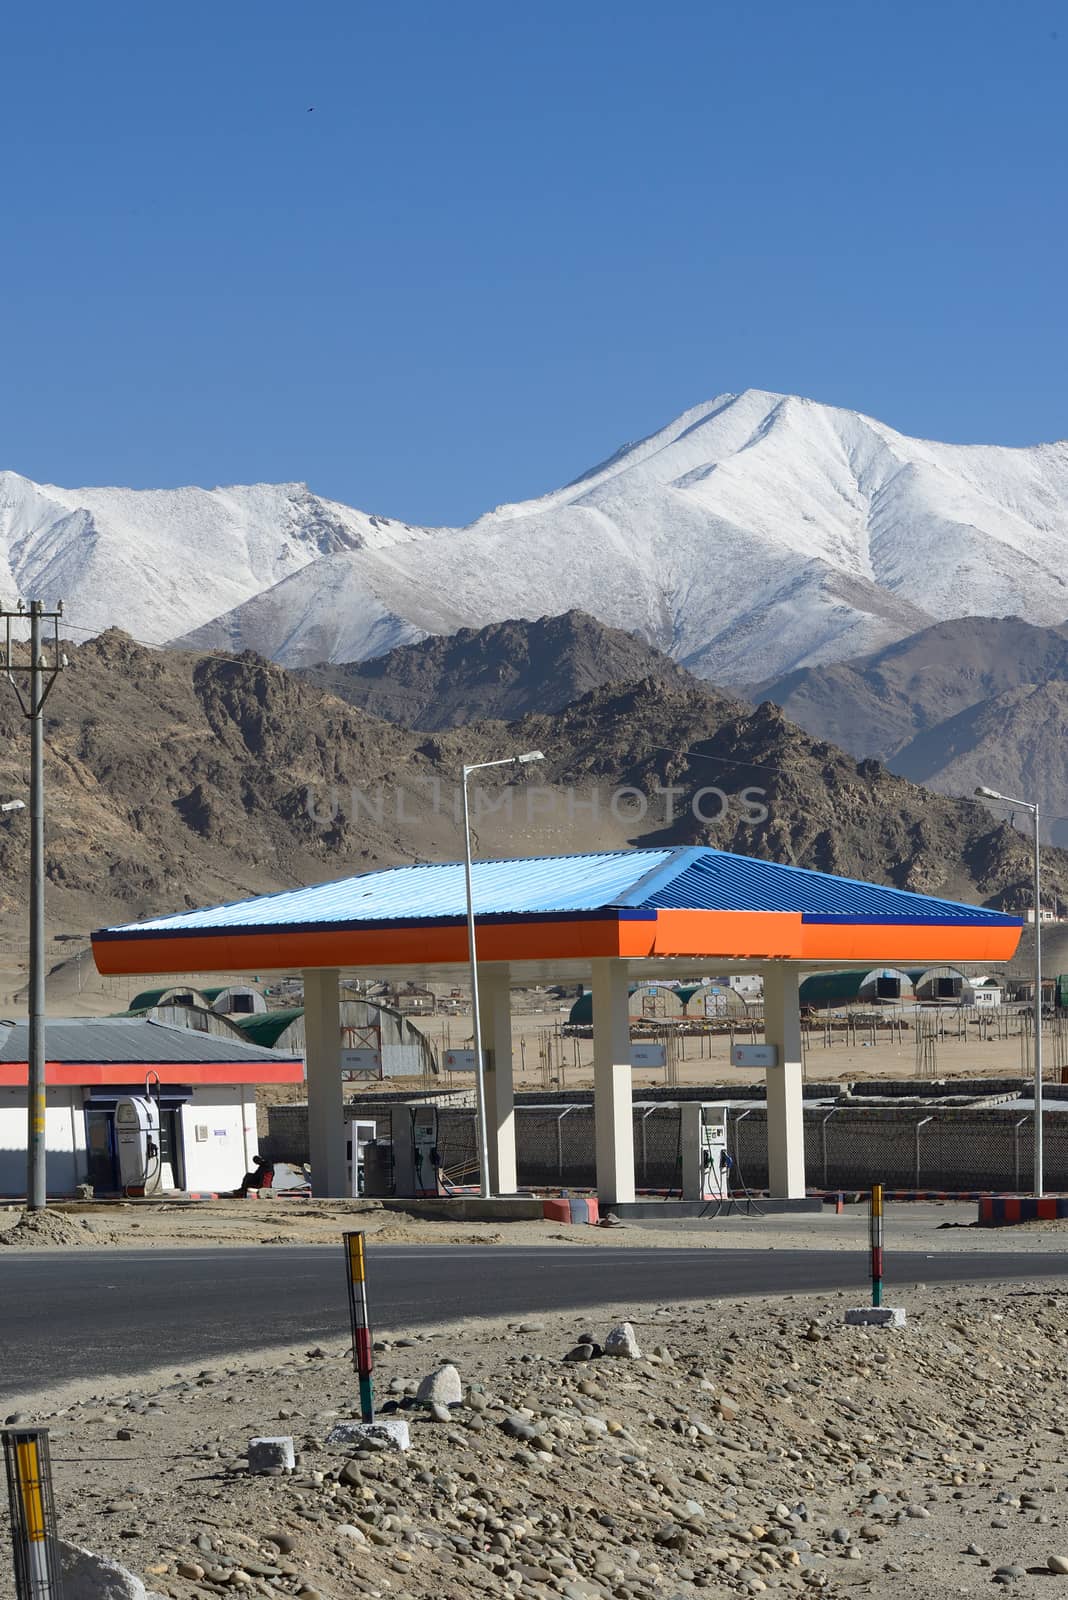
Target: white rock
[(442, 1387), (390, 1434), (91, 1577), (621, 1342)]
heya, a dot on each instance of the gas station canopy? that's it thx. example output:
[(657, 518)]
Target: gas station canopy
[(550, 915), (599, 919)]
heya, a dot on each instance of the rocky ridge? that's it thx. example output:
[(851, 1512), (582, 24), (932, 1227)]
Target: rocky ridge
[(501, 672)]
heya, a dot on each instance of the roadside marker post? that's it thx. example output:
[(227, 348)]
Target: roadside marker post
[(362, 1355), (876, 1315), (33, 1513), (876, 1244)]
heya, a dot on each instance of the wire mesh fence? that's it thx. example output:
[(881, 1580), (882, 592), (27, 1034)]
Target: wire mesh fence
[(845, 1147)]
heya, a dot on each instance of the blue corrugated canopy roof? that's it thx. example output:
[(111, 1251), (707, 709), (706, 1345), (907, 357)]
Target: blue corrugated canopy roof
[(634, 881), (715, 880)]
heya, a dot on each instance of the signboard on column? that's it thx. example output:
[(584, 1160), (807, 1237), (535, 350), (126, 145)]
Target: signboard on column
[(755, 1055), (463, 1060)]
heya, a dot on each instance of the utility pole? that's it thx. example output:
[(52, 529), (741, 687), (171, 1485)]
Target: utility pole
[(32, 682)]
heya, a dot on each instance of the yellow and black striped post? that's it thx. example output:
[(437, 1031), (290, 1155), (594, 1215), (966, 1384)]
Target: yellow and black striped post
[(33, 1513), (362, 1355)]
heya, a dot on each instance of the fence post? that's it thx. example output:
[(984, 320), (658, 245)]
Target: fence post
[(645, 1152), (560, 1144), (921, 1124), (737, 1140), (823, 1142), (33, 1513), (1016, 1152)]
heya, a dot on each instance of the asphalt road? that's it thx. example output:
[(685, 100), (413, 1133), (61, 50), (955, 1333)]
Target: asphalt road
[(67, 1315)]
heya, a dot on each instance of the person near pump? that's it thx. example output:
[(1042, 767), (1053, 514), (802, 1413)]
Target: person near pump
[(261, 1177)]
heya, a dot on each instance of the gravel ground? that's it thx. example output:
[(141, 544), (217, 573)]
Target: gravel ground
[(754, 1446)]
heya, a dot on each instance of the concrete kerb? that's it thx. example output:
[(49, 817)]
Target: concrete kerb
[(1005, 1210)]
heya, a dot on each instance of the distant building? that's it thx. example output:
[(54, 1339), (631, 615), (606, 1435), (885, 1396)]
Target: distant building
[(827, 991), (671, 1002), (405, 997), (235, 1000), (375, 1041), (943, 986)]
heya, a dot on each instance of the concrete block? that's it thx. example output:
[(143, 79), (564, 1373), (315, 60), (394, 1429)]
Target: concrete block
[(389, 1434), (875, 1317), (271, 1455)]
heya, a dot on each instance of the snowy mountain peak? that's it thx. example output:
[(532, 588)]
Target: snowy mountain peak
[(157, 561), (753, 534)]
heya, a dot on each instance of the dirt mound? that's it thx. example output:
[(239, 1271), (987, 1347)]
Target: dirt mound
[(431, 1233), (34, 1228)]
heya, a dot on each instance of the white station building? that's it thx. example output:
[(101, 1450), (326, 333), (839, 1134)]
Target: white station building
[(203, 1086)]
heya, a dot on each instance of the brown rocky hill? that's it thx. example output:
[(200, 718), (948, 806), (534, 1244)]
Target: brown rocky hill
[(506, 670), (1016, 742), (977, 700), (876, 704), (178, 779)]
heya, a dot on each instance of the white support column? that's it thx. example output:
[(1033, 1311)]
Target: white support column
[(612, 1097), (786, 1126), (326, 1123), (494, 987)]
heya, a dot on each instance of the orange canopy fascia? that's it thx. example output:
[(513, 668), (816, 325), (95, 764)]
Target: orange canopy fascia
[(700, 935)]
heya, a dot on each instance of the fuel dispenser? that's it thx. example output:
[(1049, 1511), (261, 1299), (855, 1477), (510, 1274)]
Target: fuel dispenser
[(142, 1169), (706, 1163), (361, 1134), (416, 1160)]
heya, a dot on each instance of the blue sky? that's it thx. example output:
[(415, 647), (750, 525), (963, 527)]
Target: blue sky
[(509, 238)]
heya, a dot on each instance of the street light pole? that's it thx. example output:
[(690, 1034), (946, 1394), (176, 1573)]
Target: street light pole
[(485, 1187), (1033, 807)]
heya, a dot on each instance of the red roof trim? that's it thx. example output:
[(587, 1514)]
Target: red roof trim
[(14, 1074)]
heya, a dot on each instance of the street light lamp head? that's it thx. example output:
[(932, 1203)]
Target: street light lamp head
[(983, 793), (13, 805), (531, 755)]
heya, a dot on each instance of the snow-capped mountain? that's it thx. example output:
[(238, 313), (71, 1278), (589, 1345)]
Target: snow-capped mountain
[(160, 561), (755, 534)]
